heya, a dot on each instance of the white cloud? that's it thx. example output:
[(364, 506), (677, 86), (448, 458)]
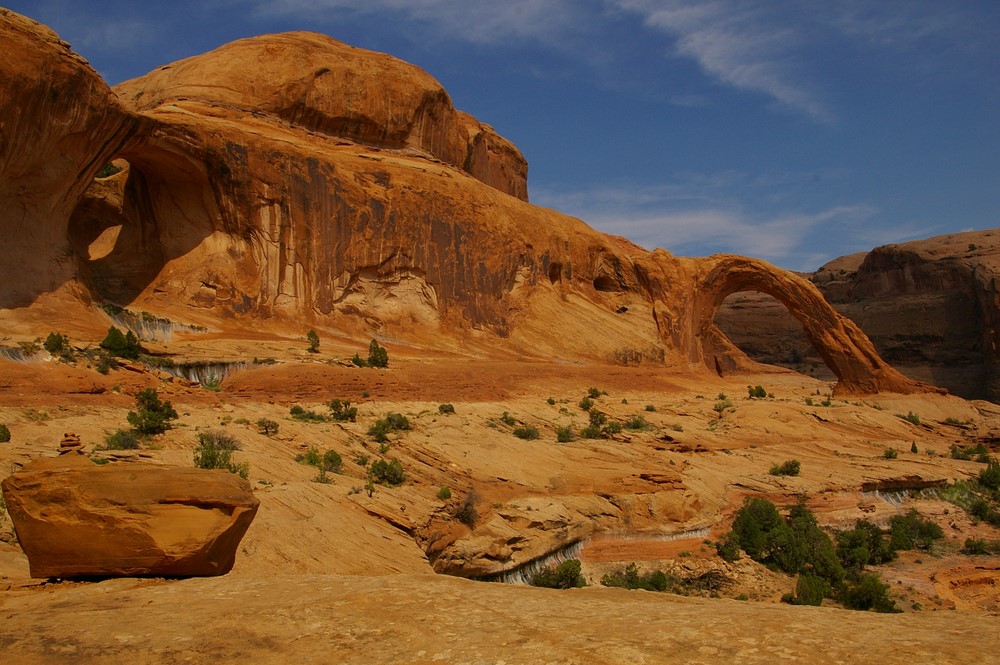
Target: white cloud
[(743, 44)]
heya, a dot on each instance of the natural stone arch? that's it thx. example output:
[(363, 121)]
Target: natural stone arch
[(845, 349)]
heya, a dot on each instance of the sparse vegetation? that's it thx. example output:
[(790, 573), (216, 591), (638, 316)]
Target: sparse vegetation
[(58, 347), (564, 576), (267, 427), (313, 339), (444, 409), (757, 392), (787, 468), (890, 453), (527, 432), (121, 439), (301, 414), (151, 416), (4, 433), (215, 451), (629, 577), (594, 393), (636, 423), (387, 472), (564, 434), (467, 513), (910, 417), (586, 404), (444, 493), (342, 411), (650, 408), (377, 355), (508, 419), (121, 345), (108, 170)]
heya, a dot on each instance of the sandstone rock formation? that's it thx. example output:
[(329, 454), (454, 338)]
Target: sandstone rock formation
[(290, 179), (74, 518), (930, 307)]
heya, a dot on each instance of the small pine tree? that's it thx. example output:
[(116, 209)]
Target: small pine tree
[(377, 355), (151, 415), (313, 340), (121, 345)]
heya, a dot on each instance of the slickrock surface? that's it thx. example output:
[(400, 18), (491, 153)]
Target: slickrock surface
[(74, 518)]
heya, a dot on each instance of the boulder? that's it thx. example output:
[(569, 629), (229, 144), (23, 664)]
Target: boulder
[(75, 518)]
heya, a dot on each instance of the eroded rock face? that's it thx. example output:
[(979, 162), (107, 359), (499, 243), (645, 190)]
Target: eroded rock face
[(930, 307), (295, 179), (74, 518)]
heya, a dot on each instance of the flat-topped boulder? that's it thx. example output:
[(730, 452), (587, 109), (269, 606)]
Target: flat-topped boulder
[(75, 518)]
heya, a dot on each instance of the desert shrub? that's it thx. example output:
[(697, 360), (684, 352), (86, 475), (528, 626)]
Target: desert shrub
[(527, 432), (564, 434), (380, 431), (215, 451), (467, 513), (446, 408), (868, 593), (636, 423), (729, 547), (58, 346), (650, 408), (361, 459), (377, 355), (756, 392), (723, 404), (387, 473), (304, 415), (975, 546), (629, 577), (810, 589), (787, 468), (508, 419), (444, 493), (397, 421), (332, 461), (866, 544), (342, 410), (151, 415), (357, 360), (611, 428), (594, 393), (890, 453), (990, 476), (122, 439), (313, 340), (564, 576), (586, 404), (108, 170), (551, 401), (121, 345), (913, 448), (910, 531), (911, 418), (267, 427), (4, 433), (310, 457)]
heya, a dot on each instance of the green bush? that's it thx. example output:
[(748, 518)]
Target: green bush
[(913, 448), (890, 453), (864, 545), (757, 392), (313, 340), (358, 361), (564, 434), (310, 457), (564, 576), (650, 408), (306, 415), (342, 410), (788, 468), (446, 408), (594, 393), (810, 589), (377, 356), (387, 473), (868, 593), (910, 531), (121, 346), (911, 418), (4, 433), (267, 427), (397, 421), (508, 419), (151, 415), (215, 450), (331, 461), (380, 431), (629, 577), (122, 439), (58, 346), (444, 494), (636, 423), (990, 476), (975, 546), (526, 432), (586, 404)]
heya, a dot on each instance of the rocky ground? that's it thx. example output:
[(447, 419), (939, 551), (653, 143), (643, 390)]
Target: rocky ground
[(328, 572)]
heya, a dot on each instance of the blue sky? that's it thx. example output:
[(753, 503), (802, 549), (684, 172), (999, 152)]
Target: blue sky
[(790, 130)]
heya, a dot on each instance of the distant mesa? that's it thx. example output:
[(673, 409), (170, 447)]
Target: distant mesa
[(291, 179)]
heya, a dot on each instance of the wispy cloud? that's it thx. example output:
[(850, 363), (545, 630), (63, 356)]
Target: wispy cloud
[(743, 44), (694, 217)]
